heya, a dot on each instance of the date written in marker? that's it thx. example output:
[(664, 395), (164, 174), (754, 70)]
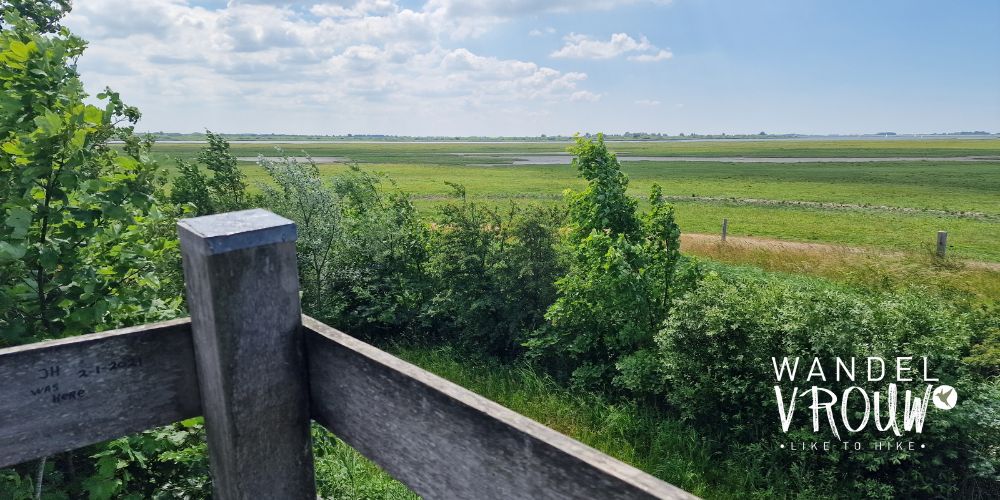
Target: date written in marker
[(109, 367), (56, 372)]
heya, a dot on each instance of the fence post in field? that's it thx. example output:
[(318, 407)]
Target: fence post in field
[(243, 294), (942, 243), (725, 228)]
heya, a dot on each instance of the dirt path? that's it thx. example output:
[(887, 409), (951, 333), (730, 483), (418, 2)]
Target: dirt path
[(695, 241)]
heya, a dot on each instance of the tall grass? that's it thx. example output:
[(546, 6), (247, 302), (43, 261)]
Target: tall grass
[(948, 278), (642, 437), (342, 473)]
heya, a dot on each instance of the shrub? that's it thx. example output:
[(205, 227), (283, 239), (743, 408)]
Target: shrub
[(716, 352), (985, 353), (492, 273), (361, 248)]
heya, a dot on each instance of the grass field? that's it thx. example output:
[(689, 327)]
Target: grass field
[(889, 205)]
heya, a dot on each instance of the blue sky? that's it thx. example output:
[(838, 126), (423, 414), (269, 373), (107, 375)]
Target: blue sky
[(520, 67)]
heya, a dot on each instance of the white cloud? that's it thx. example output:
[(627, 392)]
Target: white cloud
[(518, 8), (585, 47), (659, 56), (354, 9), (648, 102), (246, 63), (352, 59)]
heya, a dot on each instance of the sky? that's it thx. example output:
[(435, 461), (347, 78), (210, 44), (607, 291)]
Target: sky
[(532, 67)]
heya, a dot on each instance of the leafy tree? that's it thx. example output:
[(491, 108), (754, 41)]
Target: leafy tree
[(83, 244), (604, 204), (617, 290), (228, 183), (190, 187), (45, 14), (78, 243), (224, 189)]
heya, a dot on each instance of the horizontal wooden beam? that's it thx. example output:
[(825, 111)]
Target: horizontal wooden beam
[(64, 394), (444, 441)]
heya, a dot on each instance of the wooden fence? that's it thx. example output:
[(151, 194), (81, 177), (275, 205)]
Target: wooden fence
[(259, 371)]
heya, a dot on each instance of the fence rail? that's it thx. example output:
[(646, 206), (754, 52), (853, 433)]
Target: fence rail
[(63, 394), (259, 374)]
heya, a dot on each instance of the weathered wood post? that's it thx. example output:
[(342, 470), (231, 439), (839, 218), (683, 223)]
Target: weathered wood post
[(725, 227), (243, 294), (942, 243)]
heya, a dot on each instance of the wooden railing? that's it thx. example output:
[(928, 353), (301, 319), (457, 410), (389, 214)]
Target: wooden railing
[(259, 371)]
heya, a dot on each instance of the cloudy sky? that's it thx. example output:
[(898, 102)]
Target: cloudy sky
[(527, 67)]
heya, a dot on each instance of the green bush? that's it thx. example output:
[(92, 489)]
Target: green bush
[(716, 351), (492, 273), (617, 289), (361, 248), (224, 190)]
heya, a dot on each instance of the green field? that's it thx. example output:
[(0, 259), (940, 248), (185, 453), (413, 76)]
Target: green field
[(886, 205)]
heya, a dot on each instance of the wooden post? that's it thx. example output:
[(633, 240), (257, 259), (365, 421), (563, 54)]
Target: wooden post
[(942, 243), (725, 227), (243, 294)]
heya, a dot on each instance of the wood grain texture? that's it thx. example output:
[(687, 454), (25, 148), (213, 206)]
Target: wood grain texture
[(444, 441), (64, 394), (243, 293)]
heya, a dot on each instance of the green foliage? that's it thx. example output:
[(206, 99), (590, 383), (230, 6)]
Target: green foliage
[(716, 354), (617, 290), (15, 486), (343, 473), (984, 356), (78, 250), (190, 186), (361, 246), (603, 205), (492, 273), (224, 190), (228, 183), (167, 462), (45, 14)]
